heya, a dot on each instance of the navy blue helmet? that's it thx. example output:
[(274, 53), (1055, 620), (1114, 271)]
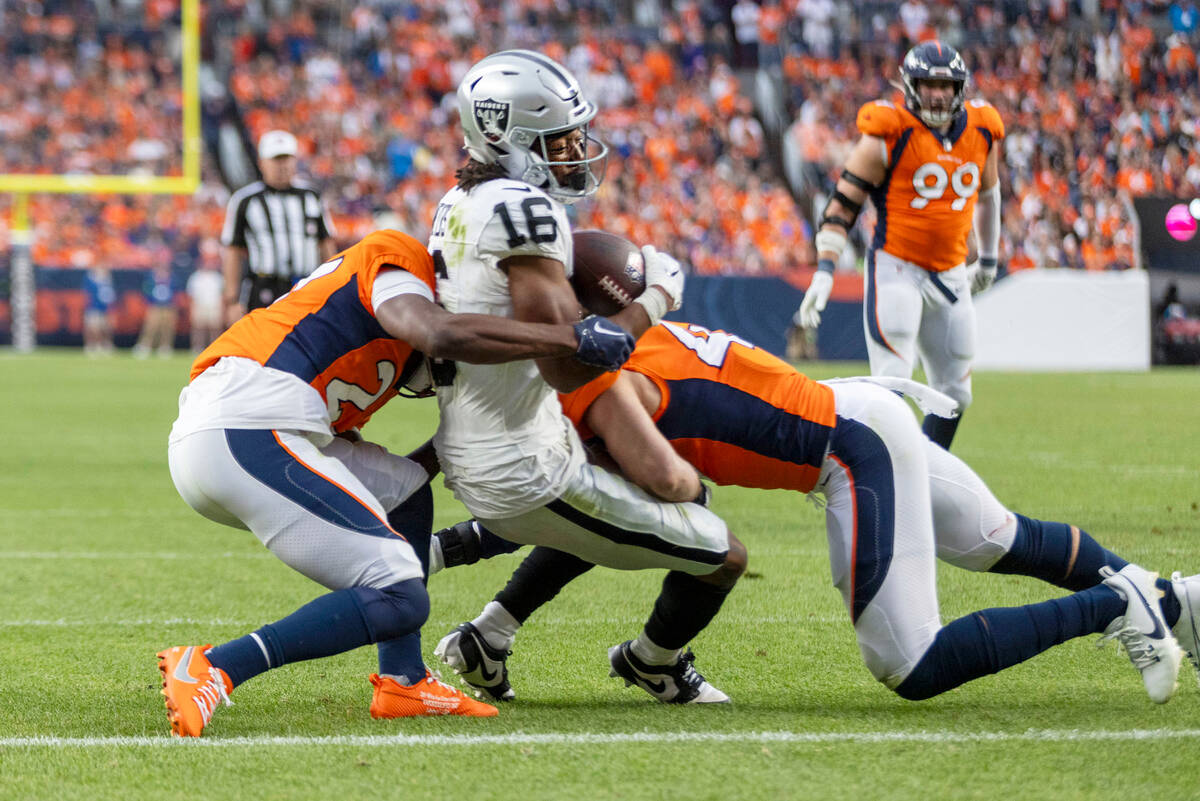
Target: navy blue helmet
[(934, 61)]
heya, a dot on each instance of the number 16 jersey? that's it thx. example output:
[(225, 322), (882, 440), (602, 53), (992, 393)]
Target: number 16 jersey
[(502, 441)]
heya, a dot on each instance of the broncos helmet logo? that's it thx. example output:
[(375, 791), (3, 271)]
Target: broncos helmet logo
[(491, 117)]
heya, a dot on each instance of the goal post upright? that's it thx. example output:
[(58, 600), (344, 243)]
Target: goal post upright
[(21, 185)]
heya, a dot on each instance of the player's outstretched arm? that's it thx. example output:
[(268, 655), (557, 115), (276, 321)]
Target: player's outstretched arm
[(472, 338), (619, 417), (864, 169)]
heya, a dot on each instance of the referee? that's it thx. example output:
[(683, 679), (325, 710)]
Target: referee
[(276, 231)]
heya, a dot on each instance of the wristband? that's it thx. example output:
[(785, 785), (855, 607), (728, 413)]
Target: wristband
[(655, 304), (825, 265)]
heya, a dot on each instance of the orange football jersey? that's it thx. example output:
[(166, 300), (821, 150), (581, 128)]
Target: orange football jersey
[(325, 331), (925, 206), (737, 413)]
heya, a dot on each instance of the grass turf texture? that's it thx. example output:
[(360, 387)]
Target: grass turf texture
[(104, 565)]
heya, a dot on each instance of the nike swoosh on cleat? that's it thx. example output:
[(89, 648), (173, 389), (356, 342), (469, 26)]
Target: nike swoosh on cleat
[(488, 675), (656, 687), (1158, 632), (181, 668)]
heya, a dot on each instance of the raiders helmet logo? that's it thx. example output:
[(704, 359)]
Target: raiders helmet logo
[(491, 117)]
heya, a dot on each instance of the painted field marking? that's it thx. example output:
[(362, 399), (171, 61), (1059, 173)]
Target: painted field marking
[(616, 738)]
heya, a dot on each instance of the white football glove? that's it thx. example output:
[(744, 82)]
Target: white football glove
[(815, 299), (981, 276), (665, 273)]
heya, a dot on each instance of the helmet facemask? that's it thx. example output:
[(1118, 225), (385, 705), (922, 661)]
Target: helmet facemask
[(513, 106), (931, 61), (563, 171)]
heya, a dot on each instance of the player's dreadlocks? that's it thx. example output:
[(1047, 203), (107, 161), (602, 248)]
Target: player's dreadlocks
[(474, 173)]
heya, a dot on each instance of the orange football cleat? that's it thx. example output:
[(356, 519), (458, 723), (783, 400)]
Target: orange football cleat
[(192, 687), (428, 697)]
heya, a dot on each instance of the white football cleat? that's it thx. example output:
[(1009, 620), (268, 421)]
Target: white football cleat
[(1143, 631), (479, 664), (677, 683), (1187, 628)]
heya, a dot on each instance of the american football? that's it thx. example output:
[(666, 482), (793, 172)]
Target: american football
[(609, 271)]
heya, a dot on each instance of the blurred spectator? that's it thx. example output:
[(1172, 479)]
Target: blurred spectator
[(97, 315), (1100, 98), (206, 297), (158, 327)]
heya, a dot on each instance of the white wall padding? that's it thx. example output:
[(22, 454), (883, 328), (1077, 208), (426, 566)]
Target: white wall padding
[(1065, 320)]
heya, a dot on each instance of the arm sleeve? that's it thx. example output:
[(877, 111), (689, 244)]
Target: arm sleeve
[(987, 223), (390, 283)]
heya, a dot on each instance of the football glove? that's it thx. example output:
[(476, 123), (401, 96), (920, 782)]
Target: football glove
[(982, 273), (815, 299), (602, 343), (665, 273)]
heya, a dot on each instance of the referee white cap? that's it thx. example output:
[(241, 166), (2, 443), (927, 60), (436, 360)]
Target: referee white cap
[(277, 143)]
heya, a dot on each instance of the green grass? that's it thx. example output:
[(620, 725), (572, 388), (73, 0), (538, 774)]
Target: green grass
[(104, 565)]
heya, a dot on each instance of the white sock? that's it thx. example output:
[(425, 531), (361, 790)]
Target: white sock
[(644, 649), (497, 626)]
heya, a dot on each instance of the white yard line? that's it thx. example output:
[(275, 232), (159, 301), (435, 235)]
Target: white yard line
[(436, 624), (616, 738), (6, 555)]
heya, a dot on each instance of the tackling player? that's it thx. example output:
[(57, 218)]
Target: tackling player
[(895, 501), (502, 244), (263, 442), (931, 169)]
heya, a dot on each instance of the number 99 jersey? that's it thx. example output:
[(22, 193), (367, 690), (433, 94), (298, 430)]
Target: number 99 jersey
[(925, 204), (500, 419)]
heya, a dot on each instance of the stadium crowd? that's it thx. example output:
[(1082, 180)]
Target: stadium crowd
[(1099, 98)]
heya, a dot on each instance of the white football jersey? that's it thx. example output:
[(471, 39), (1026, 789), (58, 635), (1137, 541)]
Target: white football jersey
[(504, 445)]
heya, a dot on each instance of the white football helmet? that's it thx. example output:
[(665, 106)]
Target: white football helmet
[(511, 102)]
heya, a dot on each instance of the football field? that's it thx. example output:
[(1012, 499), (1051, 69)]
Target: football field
[(103, 564)]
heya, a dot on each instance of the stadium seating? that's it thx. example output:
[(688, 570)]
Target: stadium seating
[(1098, 110)]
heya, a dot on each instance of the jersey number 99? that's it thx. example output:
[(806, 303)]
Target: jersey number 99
[(964, 181)]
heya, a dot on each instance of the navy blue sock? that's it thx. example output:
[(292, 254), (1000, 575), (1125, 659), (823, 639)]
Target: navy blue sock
[(940, 429), (413, 520), (331, 624), (991, 640), (401, 657), (1063, 555)]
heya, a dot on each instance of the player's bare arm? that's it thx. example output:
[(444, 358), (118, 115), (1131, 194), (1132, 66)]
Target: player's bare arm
[(619, 417), (473, 338), (864, 170), (541, 294)]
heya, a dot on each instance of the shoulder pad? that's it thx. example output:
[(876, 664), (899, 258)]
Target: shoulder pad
[(986, 116), (880, 118), (388, 246)]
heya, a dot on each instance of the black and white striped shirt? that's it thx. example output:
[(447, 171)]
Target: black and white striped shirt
[(281, 229)]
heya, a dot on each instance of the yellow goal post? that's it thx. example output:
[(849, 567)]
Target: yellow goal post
[(21, 185)]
